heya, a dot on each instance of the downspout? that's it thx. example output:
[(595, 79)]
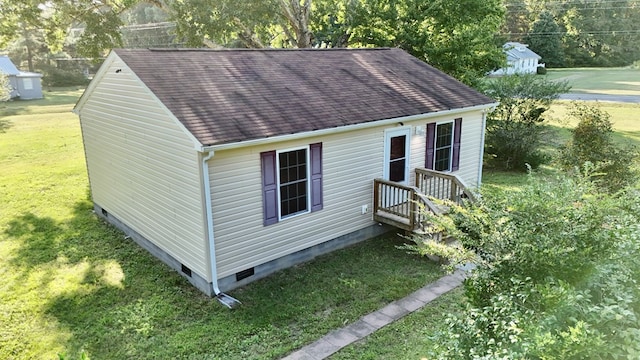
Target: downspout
[(484, 127), (224, 299)]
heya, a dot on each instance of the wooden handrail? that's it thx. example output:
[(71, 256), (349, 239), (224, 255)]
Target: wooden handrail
[(402, 203), (441, 185)]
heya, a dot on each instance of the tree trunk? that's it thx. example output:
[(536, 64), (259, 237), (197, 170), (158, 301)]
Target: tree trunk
[(297, 14)]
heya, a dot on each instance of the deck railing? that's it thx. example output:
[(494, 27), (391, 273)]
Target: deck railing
[(400, 205), (443, 186), (407, 207)]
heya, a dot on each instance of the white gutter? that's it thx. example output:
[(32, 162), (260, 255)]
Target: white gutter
[(346, 128), (225, 299)]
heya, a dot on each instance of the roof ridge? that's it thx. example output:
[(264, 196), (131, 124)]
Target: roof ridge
[(258, 50)]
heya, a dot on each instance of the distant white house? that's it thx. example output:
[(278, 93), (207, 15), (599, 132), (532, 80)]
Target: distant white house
[(520, 59), (24, 85)]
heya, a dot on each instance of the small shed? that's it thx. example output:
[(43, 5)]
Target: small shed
[(24, 85), (520, 60), (257, 160)]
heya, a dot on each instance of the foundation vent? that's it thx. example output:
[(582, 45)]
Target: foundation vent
[(186, 270), (244, 274)]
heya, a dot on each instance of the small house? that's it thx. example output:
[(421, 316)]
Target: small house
[(229, 165), (520, 60), (24, 85)]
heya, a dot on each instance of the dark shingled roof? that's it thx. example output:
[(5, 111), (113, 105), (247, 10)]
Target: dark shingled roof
[(226, 96)]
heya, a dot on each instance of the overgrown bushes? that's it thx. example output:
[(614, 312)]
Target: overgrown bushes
[(54, 77), (557, 273), (592, 142), (514, 130)]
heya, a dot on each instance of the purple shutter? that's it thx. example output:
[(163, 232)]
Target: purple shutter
[(269, 188), (316, 176), (431, 143), (457, 128)]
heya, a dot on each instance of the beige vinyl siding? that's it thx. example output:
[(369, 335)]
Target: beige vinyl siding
[(470, 139), (143, 167), (351, 161)]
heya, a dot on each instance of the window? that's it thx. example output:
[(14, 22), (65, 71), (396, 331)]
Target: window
[(291, 182), (443, 145), (27, 83)]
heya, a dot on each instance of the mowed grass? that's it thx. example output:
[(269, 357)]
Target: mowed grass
[(73, 284), (614, 81)]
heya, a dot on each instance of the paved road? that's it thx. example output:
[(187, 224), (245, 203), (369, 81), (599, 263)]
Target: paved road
[(602, 97)]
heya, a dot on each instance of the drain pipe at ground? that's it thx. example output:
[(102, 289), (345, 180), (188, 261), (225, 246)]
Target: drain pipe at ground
[(224, 299)]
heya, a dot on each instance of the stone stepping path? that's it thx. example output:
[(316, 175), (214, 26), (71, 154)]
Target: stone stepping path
[(337, 339)]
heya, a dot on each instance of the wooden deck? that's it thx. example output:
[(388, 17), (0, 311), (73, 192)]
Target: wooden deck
[(409, 207)]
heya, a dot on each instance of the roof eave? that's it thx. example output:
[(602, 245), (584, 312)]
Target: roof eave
[(340, 129)]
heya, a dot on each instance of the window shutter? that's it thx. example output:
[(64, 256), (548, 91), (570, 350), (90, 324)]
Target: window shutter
[(316, 176), (431, 143), (269, 188), (457, 128)]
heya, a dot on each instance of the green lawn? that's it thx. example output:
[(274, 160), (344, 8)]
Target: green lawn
[(71, 283), (615, 81)]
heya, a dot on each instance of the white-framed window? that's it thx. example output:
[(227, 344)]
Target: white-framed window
[(293, 182), (27, 83), (443, 151)]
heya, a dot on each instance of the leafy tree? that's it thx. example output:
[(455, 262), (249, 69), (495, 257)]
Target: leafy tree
[(454, 36), (545, 39), (600, 32), (592, 142), (100, 20), (514, 131)]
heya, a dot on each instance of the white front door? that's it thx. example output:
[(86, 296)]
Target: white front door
[(396, 164), (396, 155)]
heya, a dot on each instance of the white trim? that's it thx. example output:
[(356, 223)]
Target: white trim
[(435, 143), (388, 134), (482, 134), (308, 195), (347, 128)]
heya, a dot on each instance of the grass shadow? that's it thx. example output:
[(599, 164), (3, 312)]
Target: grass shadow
[(119, 302), (5, 125)]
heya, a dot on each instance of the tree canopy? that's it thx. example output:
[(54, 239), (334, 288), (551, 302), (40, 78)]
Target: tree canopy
[(457, 37)]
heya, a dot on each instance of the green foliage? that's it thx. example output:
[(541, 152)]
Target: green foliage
[(541, 70), (514, 131), (456, 37), (545, 39), (557, 274), (54, 77), (5, 88), (592, 142)]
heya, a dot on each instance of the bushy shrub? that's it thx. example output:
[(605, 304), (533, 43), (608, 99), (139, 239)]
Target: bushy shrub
[(592, 142), (557, 277), (515, 128), (54, 77), (5, 88), (541, 70)]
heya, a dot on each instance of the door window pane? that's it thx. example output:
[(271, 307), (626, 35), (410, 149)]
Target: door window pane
[(397, 158)]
